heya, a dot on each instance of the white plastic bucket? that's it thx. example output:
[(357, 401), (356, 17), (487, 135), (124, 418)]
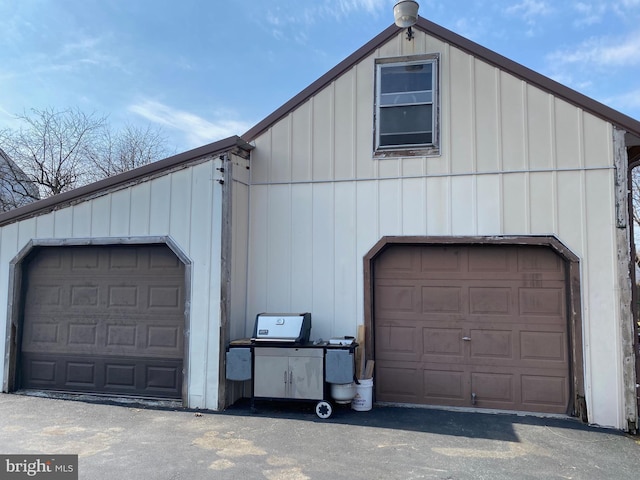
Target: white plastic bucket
[(363, 400)]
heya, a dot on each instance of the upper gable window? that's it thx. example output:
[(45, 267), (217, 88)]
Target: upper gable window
[(406, 106)]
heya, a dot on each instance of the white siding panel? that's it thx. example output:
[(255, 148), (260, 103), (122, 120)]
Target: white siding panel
[(344, 318), (160, 205), (461, 120), (100, 216), (180, 206), (390, 207), (367, 218), (438, 206), (344, 126), (301, 143), (364, 119), (487, 119), (568, 135), (414, 199), (413, 167), (279, 249), (121, 213), (571, 209), (598, 141), (515, 194), (63, 223), (280, 166), (258, 248), (239, 249), (302, 240), (323, 134), (542, 202), (323, 260), (463, 206), (82, 220), (540, 121), (44, 226), (603, 349), (26, 231), (261, 158), (140, 209), (489, 204), (367, 232), (513, 122)]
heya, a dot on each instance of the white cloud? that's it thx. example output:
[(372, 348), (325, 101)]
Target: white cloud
[(589, 13), (601, 52), (529, 9), (296, 16), (196, 130)]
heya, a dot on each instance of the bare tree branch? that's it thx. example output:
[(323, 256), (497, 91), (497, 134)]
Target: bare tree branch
[(57, 150)]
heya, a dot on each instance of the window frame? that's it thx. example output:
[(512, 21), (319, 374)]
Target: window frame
[(427, 149)]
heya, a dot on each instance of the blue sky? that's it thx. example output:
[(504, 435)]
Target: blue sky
[(204, 70)]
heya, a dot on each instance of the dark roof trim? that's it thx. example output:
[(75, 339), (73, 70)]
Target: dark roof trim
[(152, 169), (545, 83)]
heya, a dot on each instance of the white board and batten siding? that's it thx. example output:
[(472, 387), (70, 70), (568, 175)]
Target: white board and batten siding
[(515, 160), (184, 205)]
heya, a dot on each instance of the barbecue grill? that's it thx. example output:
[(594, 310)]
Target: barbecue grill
[(282, 364)]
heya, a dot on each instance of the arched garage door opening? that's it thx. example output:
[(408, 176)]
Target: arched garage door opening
[(102, 319), (484, 325)]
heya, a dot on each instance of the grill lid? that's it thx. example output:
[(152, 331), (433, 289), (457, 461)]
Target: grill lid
[(282, 327)]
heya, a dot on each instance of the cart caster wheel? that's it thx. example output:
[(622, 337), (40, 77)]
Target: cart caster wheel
[(324, 409)]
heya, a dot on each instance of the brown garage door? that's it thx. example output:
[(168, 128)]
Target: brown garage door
[(105, 319), (465, 326)]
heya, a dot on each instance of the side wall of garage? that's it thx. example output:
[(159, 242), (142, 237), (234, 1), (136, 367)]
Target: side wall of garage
[(515, 160), (183, 205)]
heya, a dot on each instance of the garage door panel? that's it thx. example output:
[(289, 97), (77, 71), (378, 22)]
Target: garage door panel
[(403, 297), (489, 320), (438, 299), (398, 342), (543, 346), (398, 383), (542, 301), (492, 344), (444, 386), (112, 310), (493, 390), (442, 341), (546, 393)]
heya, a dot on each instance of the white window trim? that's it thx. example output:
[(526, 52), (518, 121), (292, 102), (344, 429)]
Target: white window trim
[(430, 150)]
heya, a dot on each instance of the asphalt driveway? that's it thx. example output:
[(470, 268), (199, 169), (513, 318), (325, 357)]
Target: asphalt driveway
[(288, 442)]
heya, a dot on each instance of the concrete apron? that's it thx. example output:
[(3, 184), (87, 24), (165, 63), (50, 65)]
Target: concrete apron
[(288, 442)]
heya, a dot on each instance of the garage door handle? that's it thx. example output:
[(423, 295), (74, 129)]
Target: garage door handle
[(466, 339)]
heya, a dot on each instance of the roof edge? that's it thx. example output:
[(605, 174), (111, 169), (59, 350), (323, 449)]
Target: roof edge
[(531, 76), (493, 58), (50, 203)]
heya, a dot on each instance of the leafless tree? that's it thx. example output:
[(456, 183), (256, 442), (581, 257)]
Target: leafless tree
[(54, 151), (126, 149), (51, 147), (16, 189)]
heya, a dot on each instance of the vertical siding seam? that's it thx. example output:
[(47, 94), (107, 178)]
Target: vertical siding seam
[(586, 287), (290, 144), (449, 166), (332, 131), (499, 133), (474, 142), (354, 121), (212, 228)]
